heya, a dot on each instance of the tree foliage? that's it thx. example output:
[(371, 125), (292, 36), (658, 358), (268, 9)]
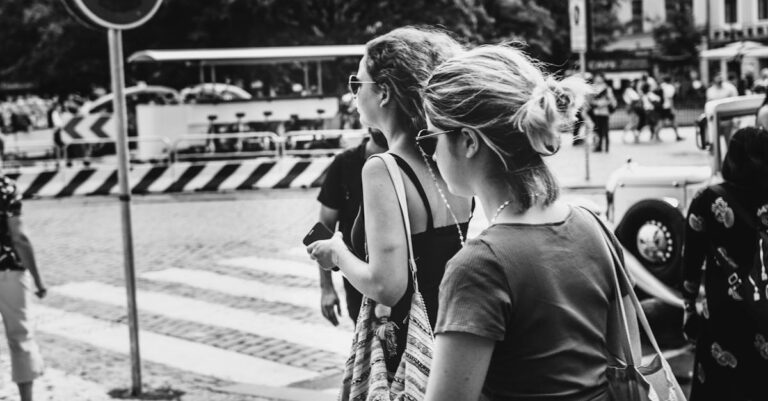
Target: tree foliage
[(44, 45), (678, 35)]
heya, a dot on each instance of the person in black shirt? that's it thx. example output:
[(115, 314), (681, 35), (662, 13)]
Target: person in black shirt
[(340, 198), (724, 254)]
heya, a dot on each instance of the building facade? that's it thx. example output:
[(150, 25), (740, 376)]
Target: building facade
[(728, 21)]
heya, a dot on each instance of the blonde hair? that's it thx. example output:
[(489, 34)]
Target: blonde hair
[(518, 111)]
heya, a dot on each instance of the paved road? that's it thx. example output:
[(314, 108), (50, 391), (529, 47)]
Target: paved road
[(226, 292)]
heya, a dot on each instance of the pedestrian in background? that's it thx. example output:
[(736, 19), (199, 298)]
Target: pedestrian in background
[(724, 250), (634, 111), (524, 307), (720, 89), (16, 258), (388, 89), (340, 199), (667, 115), (602, 104), (651, 106)]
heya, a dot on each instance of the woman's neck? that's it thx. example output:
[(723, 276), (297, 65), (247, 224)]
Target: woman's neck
[(493, 193), (401, 143)]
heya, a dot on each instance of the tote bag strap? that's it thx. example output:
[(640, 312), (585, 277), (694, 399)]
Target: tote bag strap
[(397, 181), (620, 270)]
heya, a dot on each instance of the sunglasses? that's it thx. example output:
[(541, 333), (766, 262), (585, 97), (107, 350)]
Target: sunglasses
[(355, 84), (427, 140)]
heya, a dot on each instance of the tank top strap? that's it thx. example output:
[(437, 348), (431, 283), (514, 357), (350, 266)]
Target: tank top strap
[(415, 180)]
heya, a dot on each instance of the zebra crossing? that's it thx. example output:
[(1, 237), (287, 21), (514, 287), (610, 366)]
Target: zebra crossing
[(255, 332)]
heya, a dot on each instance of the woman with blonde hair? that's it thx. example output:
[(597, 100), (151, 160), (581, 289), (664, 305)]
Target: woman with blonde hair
[(387, 88), (524, 306)]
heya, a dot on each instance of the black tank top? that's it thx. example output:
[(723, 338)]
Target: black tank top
[(432, 249)]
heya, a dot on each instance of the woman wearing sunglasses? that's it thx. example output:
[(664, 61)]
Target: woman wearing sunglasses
[(523, 306), (387, 88)]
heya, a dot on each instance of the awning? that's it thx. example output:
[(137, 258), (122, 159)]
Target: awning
[(249, 55), (731, 50)]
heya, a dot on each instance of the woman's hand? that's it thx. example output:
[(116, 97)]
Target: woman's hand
[(326, 252)]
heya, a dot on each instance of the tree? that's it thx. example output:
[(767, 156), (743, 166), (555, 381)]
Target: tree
[(678, 35), (49, 48)]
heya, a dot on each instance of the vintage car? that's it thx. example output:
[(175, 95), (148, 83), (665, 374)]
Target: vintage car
[(648, 204)]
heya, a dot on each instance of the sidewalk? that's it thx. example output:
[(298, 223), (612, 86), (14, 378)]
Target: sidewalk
[(569, 163)]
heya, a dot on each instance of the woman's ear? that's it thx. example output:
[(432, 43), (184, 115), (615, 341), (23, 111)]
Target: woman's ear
[(469, 143), (384, 97)]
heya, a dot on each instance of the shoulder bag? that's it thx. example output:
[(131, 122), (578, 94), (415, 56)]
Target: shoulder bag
[(365, 373)]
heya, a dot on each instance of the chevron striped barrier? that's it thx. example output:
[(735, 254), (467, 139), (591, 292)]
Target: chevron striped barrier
[(92, 126), (216, 176)]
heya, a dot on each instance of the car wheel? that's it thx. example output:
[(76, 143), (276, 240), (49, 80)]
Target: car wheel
[(653, 231)]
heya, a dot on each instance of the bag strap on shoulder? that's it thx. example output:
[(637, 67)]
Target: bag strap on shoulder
[(619, 270), (397, 181)]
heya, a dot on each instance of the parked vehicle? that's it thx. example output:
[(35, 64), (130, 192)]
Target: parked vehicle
[(648, 204)]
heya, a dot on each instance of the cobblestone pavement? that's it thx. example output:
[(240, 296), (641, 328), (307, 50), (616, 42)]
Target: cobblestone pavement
[(227, 294)]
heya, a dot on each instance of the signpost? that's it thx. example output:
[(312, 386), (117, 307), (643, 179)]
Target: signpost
[(578, 15), (115, 16)]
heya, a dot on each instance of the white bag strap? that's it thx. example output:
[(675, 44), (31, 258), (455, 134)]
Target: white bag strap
[(619, 269), (397, 181)]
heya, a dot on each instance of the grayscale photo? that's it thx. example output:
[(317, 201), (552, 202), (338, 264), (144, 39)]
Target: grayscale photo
[(348, 200)]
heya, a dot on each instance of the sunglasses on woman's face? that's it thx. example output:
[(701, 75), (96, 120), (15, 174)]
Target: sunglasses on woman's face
[(355, 84), (426, 140)]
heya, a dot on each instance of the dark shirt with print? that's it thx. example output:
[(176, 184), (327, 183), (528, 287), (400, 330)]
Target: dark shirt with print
[(731, 355), (10, 205)]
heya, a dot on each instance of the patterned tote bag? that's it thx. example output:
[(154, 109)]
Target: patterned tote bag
[(648, 381), (365, 373)]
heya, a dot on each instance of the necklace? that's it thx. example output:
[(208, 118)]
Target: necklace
[(498, 210), (442, 195)]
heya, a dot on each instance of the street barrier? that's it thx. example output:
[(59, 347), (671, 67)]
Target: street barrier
[(255, 160), (212, 176)]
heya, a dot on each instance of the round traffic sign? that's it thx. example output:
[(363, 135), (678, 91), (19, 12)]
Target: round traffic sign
[(117, 14)]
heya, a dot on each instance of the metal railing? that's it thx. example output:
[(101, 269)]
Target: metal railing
[(236, 145), (195, 147), (319, 142), (91, 151), (19, 154)]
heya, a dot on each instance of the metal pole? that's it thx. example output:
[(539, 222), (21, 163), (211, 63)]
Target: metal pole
[(118, 83), (586, 127), (319, 78)]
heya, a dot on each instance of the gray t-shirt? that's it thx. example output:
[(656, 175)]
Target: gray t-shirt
[(543, 293)]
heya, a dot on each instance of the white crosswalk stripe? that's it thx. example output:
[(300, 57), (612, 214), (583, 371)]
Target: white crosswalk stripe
[(207, 358), (327, 337), (178, 353), (306, 297), (275, 266)]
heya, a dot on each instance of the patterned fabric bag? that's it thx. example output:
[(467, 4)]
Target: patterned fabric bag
[(365, 373), (648, 381)]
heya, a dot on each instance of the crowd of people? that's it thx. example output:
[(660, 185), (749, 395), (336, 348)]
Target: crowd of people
[(521, 311), (25, 113), (648, 104)]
